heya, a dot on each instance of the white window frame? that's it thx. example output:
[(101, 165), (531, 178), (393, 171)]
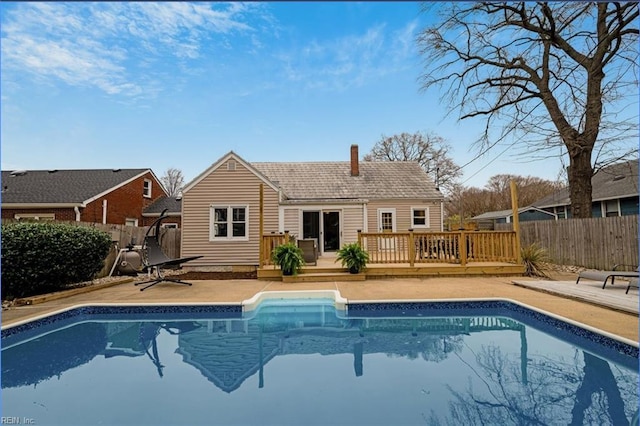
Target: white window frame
[(130, 221), (229, 207), (35, 216), (427, 223), (146, 188), (605, 210), (172, 225)]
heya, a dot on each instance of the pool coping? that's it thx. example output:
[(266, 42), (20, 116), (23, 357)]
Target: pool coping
[(252, 303)]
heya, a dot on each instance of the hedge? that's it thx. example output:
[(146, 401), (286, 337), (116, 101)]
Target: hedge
[(41, 257)]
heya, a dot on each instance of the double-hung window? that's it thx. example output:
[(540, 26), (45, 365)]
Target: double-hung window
[(229, 223), (420, 217), (146, 189)]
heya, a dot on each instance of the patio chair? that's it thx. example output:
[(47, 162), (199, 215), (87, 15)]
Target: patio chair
[(154, 259), (633, 282), (604, 276), (309, 249)]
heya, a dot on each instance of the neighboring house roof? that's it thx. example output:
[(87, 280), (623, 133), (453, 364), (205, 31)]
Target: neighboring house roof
[(616, 181), (63, 187), (333, 180), (501, 214), (172, 204)]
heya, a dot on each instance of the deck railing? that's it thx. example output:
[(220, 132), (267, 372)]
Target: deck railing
[(439, 247), (269, 243), (413, 248)]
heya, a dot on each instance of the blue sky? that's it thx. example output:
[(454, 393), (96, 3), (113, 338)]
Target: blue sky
[(159, 85)]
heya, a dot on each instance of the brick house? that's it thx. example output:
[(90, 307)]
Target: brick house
[(114, 196)]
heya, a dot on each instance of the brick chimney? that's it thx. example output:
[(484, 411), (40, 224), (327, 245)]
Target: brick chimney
[(355, 166)]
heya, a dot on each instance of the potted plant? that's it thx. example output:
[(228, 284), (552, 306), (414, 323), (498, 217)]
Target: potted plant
[(289, 257), (353, 257)]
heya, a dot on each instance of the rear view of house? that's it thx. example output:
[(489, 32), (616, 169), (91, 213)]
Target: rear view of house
[(326, 201)]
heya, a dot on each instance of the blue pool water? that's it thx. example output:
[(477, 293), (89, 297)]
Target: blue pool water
[(491, 363)]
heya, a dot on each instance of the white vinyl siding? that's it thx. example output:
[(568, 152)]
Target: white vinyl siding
[(292, 221), (223, 187), (351, 222), (403, 217)]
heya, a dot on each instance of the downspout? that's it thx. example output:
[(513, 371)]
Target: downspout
[(442, 216), (104, 212), (77, 211)]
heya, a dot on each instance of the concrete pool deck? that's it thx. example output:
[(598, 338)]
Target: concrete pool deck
[(610, 309)]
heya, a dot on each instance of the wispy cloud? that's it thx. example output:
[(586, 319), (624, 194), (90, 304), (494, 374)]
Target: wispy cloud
[(104, 45), (352, 60)]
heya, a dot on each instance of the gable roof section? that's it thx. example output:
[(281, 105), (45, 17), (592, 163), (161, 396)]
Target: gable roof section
[(172, 204), (619, 180), (63, 187), (219, 163), (502, 214), (332, 180)]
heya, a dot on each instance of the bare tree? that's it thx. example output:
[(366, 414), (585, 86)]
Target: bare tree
[(547, 74), (173, 181), (496, 195), (429, 150)]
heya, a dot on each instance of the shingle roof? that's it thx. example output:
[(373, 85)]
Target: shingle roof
[(172, 204), (500, 214), (616, 181), (61, 186), (333, 180)]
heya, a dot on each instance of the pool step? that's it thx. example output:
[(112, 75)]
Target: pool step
[(323, 277)]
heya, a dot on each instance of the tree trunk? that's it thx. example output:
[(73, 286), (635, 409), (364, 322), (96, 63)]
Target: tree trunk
[(580, 174)]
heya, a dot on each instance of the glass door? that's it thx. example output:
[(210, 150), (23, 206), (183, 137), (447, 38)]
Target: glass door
[(331, 229)]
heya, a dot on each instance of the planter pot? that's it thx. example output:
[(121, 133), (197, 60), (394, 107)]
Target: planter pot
[(354, 270), (287, 272)]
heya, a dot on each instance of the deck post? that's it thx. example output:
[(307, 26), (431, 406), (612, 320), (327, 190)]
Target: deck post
[(360, 237), (412, 248), (286, 237), (462, 244), (516, 219), (261, 263)]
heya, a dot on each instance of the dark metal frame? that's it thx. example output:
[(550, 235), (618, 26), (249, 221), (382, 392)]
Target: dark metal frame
[(154, 259)]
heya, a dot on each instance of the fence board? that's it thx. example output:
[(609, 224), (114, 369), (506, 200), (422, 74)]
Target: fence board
[(598, 243)]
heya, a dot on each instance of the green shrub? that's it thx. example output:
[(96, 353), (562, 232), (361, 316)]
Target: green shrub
[(39, 257), (534, 258)]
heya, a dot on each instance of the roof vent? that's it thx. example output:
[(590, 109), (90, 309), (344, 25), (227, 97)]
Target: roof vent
[(116, 170), (53, 170), (618, 177), (179, 196), (231, 165), (18, 173)]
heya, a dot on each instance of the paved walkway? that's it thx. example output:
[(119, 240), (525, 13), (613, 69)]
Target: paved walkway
[(618, 321)]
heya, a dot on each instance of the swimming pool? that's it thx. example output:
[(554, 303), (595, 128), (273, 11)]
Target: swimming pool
[(296, 362)]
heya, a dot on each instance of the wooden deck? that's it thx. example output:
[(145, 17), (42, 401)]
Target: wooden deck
[(328, 269)]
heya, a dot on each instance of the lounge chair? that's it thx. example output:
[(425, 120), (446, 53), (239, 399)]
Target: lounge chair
[(633, 282), (605, 275), (309, 251), (155, 260)]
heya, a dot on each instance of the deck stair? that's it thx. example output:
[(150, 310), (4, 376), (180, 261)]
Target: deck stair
[(323, 277)]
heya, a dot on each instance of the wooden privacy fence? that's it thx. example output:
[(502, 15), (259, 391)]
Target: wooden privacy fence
[(438, 247), (598, 243)]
